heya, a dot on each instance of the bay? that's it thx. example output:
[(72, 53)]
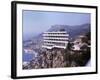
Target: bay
[(27, 57)]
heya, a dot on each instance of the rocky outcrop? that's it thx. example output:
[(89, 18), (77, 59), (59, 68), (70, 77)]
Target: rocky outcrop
[(59, 58)]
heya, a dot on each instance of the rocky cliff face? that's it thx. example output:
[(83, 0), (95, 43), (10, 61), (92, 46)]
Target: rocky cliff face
[(59, 58)]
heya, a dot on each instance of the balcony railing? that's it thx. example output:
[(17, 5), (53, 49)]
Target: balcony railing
[(55, 41), (55, 35), (61, 38)]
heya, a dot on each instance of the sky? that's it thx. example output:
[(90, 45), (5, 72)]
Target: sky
[(36, 22)]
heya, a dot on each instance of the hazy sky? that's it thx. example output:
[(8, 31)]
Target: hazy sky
[(35, 22)]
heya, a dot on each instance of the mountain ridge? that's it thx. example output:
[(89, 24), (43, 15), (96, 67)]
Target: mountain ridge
[(73, 31)]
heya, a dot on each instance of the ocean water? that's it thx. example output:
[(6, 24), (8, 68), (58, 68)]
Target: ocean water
[(29, 56)]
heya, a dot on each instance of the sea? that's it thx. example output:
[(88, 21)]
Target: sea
[(27, 57)]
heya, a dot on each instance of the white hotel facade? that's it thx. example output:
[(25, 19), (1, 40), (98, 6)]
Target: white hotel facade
[(55, 39)]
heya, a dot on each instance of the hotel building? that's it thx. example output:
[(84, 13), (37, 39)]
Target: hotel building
[(55, 39)]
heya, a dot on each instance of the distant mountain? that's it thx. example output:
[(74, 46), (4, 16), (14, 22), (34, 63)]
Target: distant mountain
[(38, 36), (73, 31)]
